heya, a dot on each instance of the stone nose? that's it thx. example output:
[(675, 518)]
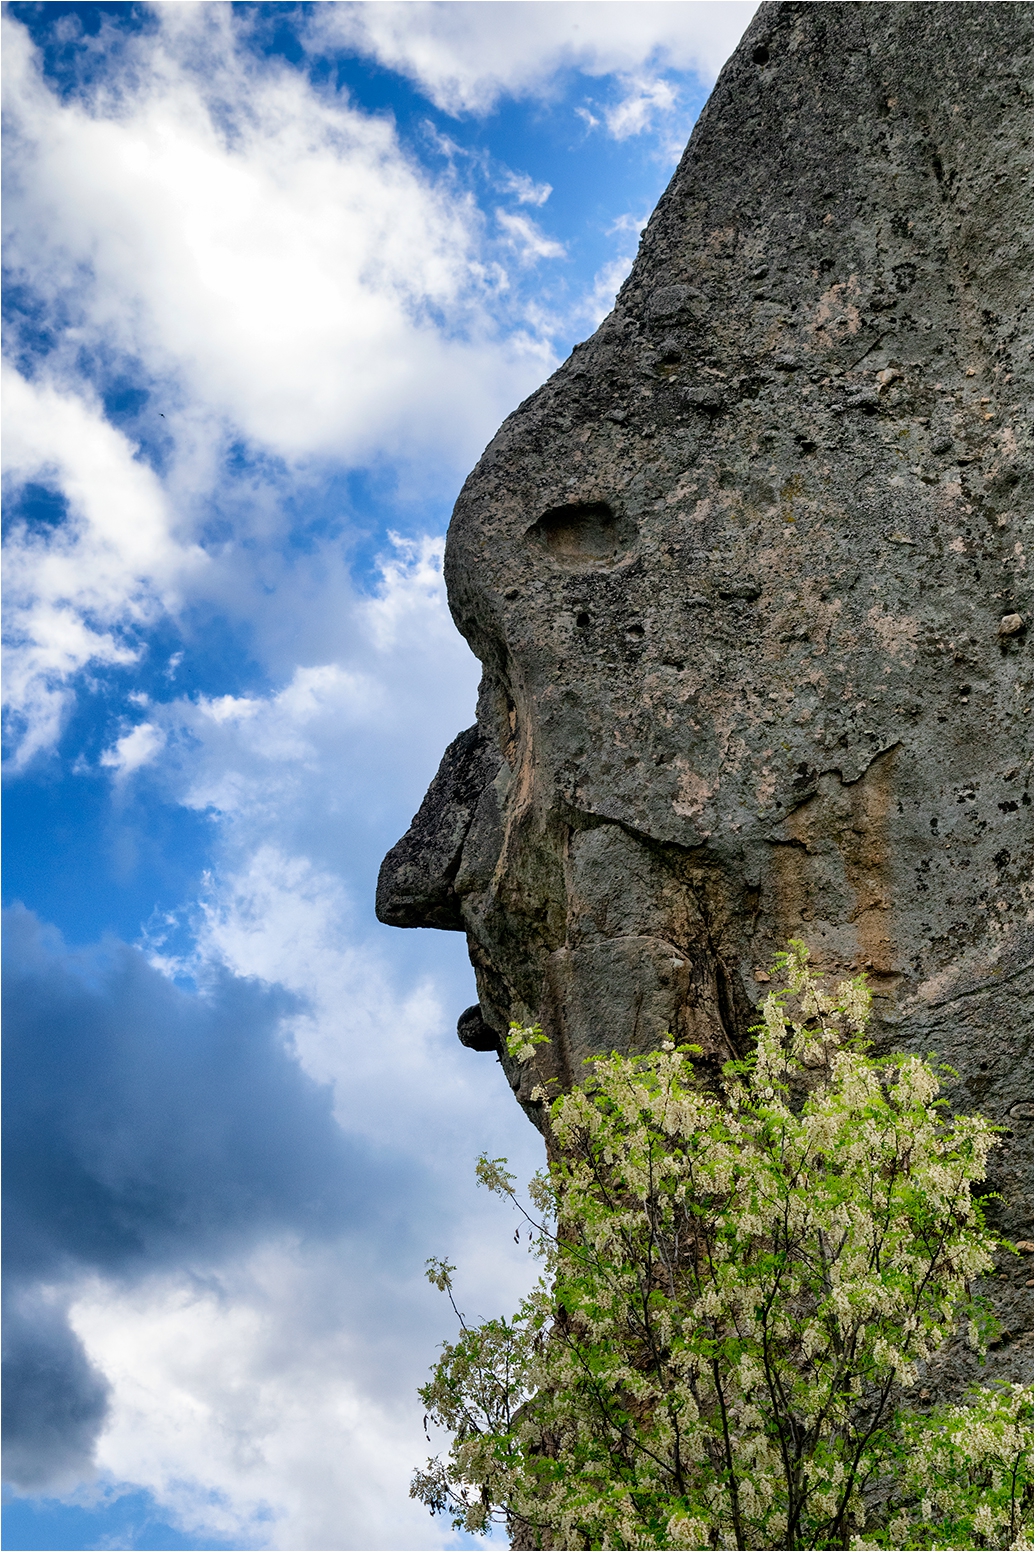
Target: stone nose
[(415, 886)]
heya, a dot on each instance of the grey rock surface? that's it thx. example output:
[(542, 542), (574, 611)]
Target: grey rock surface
[(748, 579)]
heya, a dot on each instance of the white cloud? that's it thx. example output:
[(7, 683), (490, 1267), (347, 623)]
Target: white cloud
[(73, 590), (606, 285), (134, 749), (525, 189), (270, 1403), (308, 785), (524, 236), (466, 57), (271, 254), (346, 745), (286, 922), (272, 733), (644, 100), (271, 264)]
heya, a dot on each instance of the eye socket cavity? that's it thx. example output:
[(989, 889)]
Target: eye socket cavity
[(583, 535)]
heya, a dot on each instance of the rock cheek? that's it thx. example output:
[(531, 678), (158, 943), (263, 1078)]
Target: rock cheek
[(748, 575)]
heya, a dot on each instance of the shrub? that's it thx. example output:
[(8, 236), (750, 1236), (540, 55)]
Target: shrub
[(742, 1292)]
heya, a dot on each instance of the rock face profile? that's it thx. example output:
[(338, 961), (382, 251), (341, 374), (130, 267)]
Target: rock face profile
[(748, 579)]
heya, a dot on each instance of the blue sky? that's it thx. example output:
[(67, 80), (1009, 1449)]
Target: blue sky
[(274, 275)]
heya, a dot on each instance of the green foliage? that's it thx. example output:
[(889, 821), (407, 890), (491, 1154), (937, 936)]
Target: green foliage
[(741, 1292)]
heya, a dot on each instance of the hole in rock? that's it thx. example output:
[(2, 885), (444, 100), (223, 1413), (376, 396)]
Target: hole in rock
[(583, 534), (582, 620), (634, 630), (760, 54)]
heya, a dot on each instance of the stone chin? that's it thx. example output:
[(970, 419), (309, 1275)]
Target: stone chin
[(738, 574)]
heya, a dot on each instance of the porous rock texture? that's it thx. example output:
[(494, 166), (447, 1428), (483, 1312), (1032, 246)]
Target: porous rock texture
[(748, 579)]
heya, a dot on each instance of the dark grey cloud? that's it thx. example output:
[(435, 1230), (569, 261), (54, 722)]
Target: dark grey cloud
[(54, 1400), (144, 1126)]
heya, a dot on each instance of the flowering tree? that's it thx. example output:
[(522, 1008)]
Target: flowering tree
[(740, 1295)]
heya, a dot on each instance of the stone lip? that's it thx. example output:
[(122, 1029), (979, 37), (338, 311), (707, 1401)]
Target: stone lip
[(748, 578), (474, 1033)]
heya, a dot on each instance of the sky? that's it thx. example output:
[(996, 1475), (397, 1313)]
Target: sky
[(274, 274)]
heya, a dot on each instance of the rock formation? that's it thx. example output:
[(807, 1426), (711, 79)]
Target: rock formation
[(748, 580)]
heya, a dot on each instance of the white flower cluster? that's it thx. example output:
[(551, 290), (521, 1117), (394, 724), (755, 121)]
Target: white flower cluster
[(738, 1291), (522, 1041)]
